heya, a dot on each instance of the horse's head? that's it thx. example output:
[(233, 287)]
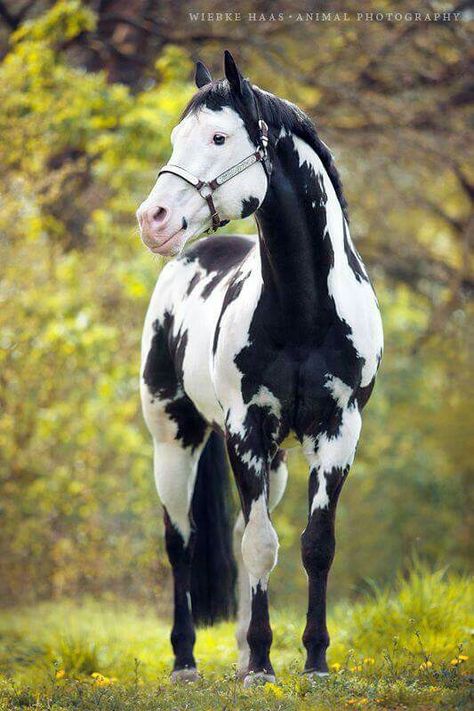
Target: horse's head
[(218, 169)]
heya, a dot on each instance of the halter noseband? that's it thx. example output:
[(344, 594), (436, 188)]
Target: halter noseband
[(207, 188)]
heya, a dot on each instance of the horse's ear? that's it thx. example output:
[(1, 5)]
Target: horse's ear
[(202, 75), (233, 76)]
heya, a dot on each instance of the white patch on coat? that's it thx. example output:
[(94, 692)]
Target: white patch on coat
[(355, 300), (253, 461), (327, 453), (175, 473), (259, 544), (340, 391), (265, 398), (278, 480), (233, 338), (244, 596)]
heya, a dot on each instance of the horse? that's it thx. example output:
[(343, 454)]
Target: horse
[(251, 346)]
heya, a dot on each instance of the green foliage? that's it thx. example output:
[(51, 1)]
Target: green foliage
[(408, 649)]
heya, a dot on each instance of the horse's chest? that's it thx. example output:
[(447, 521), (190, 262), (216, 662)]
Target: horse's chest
[(297, 390)]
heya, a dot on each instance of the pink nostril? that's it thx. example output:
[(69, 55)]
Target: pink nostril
[(160, 215)]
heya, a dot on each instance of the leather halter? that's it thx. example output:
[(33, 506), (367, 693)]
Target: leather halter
[(207, 188)]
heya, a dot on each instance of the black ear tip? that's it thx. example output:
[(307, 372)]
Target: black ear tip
[(202, 75), (229, 60)]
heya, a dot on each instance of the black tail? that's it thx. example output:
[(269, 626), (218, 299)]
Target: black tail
[(213, 572)]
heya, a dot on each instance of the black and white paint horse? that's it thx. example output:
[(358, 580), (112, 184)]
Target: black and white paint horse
[(267, 343)]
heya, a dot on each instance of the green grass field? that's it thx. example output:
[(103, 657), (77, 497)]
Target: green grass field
[(405, 649)]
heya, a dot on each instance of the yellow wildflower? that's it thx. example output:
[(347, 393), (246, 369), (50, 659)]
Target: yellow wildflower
[(102, 680), (357, 668), (273, 690), (426, 665), (459, 659), (369, 660), (336, 666), (60, 674)]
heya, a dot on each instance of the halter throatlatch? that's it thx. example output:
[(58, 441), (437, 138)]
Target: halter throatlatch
[(207, 188)]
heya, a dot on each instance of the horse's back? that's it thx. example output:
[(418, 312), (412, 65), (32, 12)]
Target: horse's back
[(185, 308)]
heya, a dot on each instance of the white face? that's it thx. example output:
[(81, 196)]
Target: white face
[(206, 144)]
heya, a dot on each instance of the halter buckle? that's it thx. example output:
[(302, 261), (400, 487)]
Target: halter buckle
[(263, 133), (205, 191)]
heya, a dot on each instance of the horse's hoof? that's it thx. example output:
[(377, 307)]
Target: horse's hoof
[(258, 679), (313, 674), (184, 676)]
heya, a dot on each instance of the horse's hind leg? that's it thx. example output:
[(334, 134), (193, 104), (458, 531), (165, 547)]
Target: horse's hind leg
[(278, 478), (175, 472), (179, 435)]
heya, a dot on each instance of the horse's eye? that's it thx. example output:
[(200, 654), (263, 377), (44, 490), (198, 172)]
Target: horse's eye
[(219, 139)]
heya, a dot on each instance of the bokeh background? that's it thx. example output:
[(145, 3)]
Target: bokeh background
[(89, 92)]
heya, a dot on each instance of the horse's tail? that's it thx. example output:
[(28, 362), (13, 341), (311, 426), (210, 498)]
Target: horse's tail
[(213, 573)]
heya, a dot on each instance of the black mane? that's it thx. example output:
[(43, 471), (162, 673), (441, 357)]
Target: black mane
[(277, 113)]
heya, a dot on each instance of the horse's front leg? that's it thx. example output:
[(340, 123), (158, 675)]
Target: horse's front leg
[(278, 479), (329, 459), (251, 467)]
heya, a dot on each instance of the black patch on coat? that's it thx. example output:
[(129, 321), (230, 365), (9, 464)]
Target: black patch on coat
[(249, 205), (183, 636), (217, 256), (232, 293), (211, 285), (159, 373), (259, 635), (192, 284), (220, 253), (191, 425), (163, 375), (363, 394), (353, 257)]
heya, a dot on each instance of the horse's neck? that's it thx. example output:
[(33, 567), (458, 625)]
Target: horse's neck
[(301, 227)]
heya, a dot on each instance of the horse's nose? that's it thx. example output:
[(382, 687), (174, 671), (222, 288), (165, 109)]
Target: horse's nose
[(154, 217)]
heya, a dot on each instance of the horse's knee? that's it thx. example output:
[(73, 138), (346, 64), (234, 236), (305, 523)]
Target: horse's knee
[(260, 541), (318, 545)]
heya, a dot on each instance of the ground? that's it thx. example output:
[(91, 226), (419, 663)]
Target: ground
[(408, 649)]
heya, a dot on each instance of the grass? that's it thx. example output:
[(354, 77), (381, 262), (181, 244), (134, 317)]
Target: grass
[(405, 649)]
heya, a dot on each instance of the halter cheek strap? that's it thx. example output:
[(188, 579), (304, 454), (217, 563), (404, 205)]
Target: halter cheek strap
[(207, 188)]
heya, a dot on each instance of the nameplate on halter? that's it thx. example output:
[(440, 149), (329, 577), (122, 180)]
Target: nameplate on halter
[(236, 169)]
